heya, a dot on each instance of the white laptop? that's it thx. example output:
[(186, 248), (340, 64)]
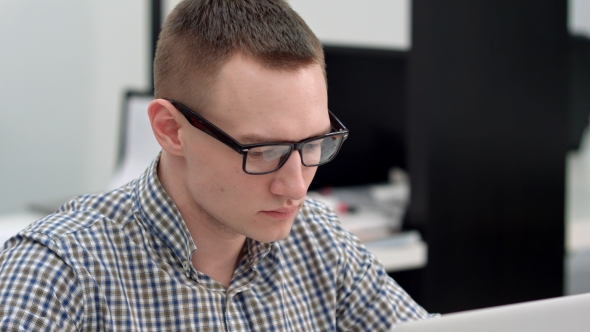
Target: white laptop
[(567, 314)]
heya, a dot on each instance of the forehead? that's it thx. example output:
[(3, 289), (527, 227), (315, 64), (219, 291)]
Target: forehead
[(255, 104)]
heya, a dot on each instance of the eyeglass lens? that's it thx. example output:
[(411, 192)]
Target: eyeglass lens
[(267, 158)]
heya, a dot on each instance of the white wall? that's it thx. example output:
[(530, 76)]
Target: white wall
[(64, 65), (579, 17), (366, 23), (577, 262)]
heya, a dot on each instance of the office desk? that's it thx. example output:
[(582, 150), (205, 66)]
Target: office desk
[(401, 252)]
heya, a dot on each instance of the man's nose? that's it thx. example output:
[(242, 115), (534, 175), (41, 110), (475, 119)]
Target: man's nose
[(289, 180)]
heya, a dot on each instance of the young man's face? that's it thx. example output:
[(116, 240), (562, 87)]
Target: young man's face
[(254, 104)]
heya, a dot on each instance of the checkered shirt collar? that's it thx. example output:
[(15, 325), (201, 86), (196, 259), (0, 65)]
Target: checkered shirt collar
[(161, 215)]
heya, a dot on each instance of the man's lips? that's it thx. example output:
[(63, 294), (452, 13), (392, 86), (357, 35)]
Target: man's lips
[(281, 213)]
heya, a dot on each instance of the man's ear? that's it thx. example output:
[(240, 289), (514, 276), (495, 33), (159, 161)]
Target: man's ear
[(164, 120)]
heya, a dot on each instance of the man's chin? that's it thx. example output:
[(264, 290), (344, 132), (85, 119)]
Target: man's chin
[(273, 233)]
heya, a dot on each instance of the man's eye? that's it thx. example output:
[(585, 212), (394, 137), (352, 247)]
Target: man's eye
[(271, 154), (312, 146), (255, 154), (266, 154)]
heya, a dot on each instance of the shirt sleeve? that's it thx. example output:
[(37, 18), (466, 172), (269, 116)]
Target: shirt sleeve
[(368, 298), (38, 290)]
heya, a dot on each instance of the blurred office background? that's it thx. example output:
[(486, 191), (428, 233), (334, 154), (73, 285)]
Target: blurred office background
[(476, 99), (65, 66)]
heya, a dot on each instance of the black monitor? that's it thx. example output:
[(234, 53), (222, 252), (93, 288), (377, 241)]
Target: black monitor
[(367, 92)]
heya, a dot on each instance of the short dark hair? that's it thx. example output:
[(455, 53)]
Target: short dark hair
[(199, 36)]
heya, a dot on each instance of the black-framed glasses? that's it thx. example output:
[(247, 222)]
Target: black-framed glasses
[(264, 158)]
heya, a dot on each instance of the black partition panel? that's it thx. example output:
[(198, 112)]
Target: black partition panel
[(487, 133), (367, 92), (579, 97)]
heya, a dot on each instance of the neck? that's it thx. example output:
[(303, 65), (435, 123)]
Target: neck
[(219, 249), (218, 260)]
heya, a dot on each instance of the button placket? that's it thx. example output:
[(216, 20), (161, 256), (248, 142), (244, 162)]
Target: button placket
[(186, 266)]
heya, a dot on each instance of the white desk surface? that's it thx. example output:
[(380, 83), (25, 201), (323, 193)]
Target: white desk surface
[(394, 255)]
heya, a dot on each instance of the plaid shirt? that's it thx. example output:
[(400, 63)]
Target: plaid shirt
[(121, 261)]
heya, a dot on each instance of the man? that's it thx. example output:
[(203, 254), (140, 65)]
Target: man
[(217, 234)]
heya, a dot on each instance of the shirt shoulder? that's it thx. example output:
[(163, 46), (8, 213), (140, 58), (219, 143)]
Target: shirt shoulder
[(82, 213), (318, 244), (38, 289), (47, 269), (365, 297), (317, 217), (81, 228), (317, 223)]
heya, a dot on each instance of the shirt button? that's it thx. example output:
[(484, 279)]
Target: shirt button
[(186, 265)]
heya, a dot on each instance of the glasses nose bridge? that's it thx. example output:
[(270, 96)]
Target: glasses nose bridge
[(298, 147), (294, 147), (285, 158)]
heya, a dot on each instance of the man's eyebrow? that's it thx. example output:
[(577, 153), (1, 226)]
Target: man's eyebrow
[(254, 138)]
